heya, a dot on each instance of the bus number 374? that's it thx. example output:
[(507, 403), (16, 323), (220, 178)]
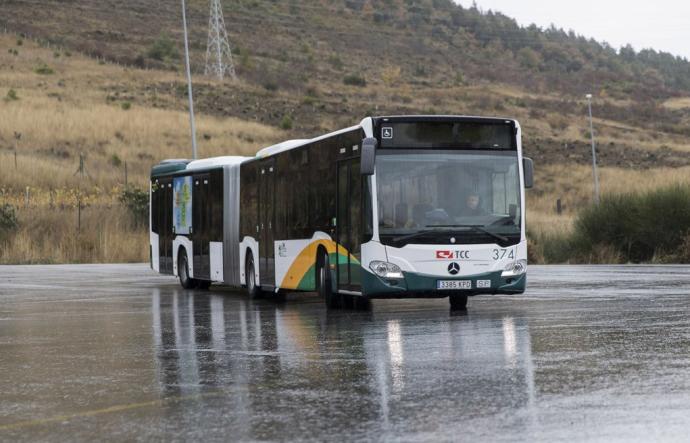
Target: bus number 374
[(353, 215)]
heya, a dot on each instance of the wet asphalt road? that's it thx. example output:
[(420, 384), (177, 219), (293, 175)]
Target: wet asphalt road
[(119, 353)]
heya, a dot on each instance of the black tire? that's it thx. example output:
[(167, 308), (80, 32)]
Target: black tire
[(458, 302), (253, 290), (183, 271), (323, 277)]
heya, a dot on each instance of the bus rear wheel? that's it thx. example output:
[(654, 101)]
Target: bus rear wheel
[(253, 289), (458, 302), (332, 299), (183, 272)]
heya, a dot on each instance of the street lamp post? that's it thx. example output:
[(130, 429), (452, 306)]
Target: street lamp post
[(594, 151), (189, 81)]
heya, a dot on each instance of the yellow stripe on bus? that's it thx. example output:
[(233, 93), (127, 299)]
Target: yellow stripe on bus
[(306, 259)]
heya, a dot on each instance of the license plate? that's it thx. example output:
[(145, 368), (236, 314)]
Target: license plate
[(454, 284), (483, 284)]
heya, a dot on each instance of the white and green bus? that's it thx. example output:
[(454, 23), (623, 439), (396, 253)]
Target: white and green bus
[(395, 207)]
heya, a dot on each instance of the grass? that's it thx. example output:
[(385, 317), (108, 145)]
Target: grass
[(82, 109), (649, 226), (48, 235), (67, 114)]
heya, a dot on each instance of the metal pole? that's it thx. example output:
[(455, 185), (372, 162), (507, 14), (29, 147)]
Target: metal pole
[(189, 81), (594, 151)]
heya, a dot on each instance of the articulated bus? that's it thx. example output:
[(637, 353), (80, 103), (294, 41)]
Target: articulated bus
[(395, 207)]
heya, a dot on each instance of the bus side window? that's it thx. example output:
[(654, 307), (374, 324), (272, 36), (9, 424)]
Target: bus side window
[(322, 189), (284, 185), (249, 200), (216, 201)]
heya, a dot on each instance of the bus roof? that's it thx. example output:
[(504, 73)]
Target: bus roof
[(367, 124), (215, 162), (172, 166)]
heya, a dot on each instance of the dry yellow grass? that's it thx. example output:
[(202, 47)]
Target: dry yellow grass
[(51, 236), (71, 112), (677, 103), (64, 114), (54, 134)]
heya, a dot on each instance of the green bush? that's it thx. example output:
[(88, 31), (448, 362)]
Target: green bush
[(44, 69), (639, 227), (286, 123), (11, 95), (354, 80), (137, 202), (8, 218), (163, 49), (115, 161), (126, 106)]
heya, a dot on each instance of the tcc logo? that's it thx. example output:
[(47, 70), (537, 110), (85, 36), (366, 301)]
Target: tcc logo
[(444, 254), (453, 268), (450, 255)]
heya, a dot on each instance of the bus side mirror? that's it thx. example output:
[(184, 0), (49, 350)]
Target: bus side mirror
[(528, 170), (368, 158)]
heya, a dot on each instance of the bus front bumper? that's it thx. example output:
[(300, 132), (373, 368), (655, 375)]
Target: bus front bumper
[(414, 285)]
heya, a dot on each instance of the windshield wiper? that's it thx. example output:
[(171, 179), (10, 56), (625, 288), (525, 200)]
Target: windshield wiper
[(476, 228)]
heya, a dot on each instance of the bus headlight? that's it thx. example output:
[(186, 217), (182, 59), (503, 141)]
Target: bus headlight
[(515, 269), (386, 270)]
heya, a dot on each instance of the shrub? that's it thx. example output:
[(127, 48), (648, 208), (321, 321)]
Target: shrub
[(126, 106), (8, 218), (270, 85), (163, 49), (115, 161), (44, 69), (137, 202), (286, 123), (11, 95), (639, 227), (354, 80)]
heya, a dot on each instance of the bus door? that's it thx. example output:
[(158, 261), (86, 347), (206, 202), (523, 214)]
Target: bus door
[(348, 225), (165, 225), (267, 221), (201, 209)]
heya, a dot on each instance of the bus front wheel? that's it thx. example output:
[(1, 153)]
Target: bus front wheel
[(325, 288), (458, 302)]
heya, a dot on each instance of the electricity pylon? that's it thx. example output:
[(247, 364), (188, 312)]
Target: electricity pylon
[(218, 53)]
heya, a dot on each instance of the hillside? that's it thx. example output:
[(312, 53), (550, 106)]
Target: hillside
[(105, 79)]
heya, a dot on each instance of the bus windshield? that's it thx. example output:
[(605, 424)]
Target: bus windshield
[(433, 196)]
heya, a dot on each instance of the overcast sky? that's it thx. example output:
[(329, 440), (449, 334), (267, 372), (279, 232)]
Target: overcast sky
[(660, 24)]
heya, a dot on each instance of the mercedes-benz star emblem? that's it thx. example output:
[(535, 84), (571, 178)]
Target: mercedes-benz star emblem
[(453, 268)]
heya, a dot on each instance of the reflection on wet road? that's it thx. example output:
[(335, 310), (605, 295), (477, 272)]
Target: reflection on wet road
[(588, 353)]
